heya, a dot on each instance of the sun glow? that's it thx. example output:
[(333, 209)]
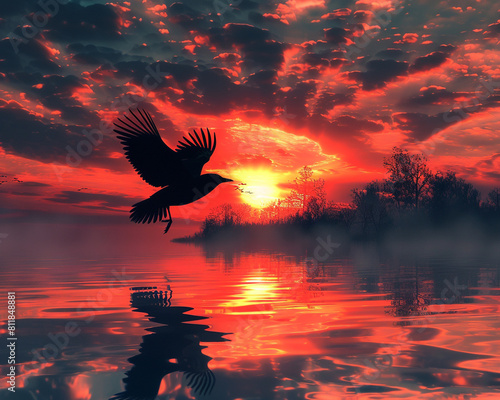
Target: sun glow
[(259, 186)]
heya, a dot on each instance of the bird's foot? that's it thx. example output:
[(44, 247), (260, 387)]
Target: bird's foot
[(169, 223)]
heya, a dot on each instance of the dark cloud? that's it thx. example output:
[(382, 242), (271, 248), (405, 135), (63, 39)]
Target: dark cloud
[(104, 201), (237, 34), (391, 53), (155, 73), (258, 18), (433, 95), (93, 55), (339, 13), (19, 7), (44, 65), (345, 134), (263, 79), (267, 54), (97, 22), (345, 127), (338, 62), (34, 184), (17, 56), (228, 58), (362, 15), (10, 61), (29, 136), (247, 5), (493, 30), (356, 126), (328, 100), (210, 90), (379, 72), (447, 48), (488, 167), (494, 175), (336, 36), (215, 94), (185, 16), (20, 193), (28, 188), (57, 93), (489, 161), (420, 127), (258, 49), (428, 62), (181, 73), (262, 91), (296, 99), (315, 60), (133, 70)]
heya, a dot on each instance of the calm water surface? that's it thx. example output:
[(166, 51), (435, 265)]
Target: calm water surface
[(261, 325)]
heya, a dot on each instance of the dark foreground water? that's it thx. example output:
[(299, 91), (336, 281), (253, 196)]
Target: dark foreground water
[(260, 325)]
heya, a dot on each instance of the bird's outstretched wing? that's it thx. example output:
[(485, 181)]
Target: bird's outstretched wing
[(142, 382), (155, 162), (195, 151)]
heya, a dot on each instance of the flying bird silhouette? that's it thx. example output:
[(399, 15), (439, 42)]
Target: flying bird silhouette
[(177, 171)]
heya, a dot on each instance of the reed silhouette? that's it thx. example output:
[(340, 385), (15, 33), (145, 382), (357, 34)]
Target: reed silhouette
[(174, 346), (177, 171)]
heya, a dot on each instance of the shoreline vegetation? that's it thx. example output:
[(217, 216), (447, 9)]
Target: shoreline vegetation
[(413, 205)]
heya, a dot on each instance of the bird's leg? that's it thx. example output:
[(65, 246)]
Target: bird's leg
[(168, 221)]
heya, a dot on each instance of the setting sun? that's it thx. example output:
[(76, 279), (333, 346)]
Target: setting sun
[(259, 186)]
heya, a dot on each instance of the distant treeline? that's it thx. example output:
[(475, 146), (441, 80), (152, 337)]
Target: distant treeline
[(411, 199)]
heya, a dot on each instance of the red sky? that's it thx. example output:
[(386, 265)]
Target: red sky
[(329, 84)]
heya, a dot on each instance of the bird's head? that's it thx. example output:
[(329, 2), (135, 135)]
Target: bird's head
[(206, 183), (225, 179), (219, 179)]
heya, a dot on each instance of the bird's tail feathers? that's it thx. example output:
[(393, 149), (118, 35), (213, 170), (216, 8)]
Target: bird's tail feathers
[(147, 211)]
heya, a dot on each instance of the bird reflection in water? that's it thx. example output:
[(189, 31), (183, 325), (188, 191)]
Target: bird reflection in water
[(174, 346)]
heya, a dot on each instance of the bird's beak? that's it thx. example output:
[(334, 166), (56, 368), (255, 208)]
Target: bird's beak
[(227, 180)]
